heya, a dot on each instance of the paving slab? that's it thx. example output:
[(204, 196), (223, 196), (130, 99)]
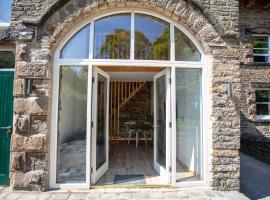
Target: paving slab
[(254, 178), (123, 194)]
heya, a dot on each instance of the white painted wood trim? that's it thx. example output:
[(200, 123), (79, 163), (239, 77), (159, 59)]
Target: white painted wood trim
[(128, 63), (54, 125), (54, 138), (173, 115), (163, 172), (168, 128), (88, 126), (98, 173)]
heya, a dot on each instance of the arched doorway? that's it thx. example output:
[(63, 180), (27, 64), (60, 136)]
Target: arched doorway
[(129, 43)]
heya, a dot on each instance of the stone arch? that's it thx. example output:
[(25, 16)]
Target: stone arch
[(59, 19), (171, 4)]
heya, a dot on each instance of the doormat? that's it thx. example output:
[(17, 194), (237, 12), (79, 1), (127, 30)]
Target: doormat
[(137, 179)]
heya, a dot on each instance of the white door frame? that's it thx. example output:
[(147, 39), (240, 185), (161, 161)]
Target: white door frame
[(97, 174), (206, 128), (163, 172), (54, 131)]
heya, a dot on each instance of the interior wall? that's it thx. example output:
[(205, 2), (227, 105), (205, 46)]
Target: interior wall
[(138, 109), (188, 114), (72, 106)]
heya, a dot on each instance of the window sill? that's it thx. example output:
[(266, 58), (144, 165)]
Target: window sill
[(265, 118), (255, 64)]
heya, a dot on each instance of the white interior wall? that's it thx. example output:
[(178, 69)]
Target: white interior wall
[(72, 111)]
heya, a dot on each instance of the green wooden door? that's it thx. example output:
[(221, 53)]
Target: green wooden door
[(6, 116)]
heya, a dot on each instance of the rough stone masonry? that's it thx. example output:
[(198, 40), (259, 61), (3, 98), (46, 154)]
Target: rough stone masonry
[(36, 29)]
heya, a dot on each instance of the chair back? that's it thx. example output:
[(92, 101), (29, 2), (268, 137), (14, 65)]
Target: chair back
[(130, 125)]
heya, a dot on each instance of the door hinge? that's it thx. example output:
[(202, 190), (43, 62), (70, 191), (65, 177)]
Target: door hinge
[(170, 124), (170, 169), (93, 79), (170, 81), (92, 170), (92, 124)]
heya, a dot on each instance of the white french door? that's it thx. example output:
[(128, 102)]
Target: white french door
[(100, 125), (162, 125)]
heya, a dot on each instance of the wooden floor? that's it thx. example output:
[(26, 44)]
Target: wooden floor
[(128, 160)]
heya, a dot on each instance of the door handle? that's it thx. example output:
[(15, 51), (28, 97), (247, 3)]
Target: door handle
[(8, 128)]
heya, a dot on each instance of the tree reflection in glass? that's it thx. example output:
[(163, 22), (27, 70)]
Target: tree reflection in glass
[(185, 50), (112, 37), (152, 38)]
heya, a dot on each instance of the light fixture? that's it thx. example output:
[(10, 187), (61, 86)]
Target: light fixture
[(229, 89)]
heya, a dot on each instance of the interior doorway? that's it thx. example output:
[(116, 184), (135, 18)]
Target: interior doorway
[(133, 149)]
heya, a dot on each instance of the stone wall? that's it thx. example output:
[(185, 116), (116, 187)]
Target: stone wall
[(28, 9), (215, 26), (139, 107), (254, 18)]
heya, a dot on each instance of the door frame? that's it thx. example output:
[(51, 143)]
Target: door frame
[(54, 130), (205, 120), (97, 174), (205, 67), (205, 124), (10, 48), (8, 135), (164, 173)]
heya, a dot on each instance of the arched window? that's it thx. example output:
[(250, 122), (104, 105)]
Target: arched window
[(121, 36), (78, 46), (128, 46)]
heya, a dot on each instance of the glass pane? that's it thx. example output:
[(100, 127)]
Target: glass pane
[(71, 147), (78, 46), (263, 109), (185, 50), (101, 121), (161, 120), (5, 11), (259, 42), (152, 38), (262, 95), (260, 59), (112, 37), (7, 59), (260, 51), (188, 125)]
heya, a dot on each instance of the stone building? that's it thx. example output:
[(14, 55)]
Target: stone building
[(208, 64)]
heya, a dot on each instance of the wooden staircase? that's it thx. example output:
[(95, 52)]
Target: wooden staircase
[(121, 92)]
